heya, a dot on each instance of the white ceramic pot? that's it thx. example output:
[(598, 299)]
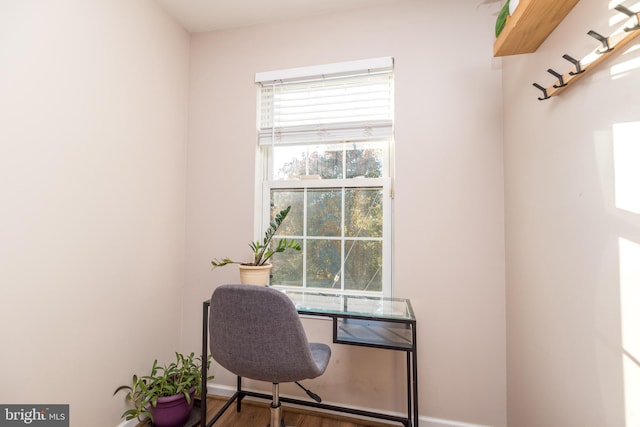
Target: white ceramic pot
[(512, 6), (255, 275)]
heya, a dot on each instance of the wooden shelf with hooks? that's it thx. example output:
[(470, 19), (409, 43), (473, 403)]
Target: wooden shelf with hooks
[(610, 45), (530, 25)]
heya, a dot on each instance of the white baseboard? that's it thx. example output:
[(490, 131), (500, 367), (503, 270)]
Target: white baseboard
[(437, 422), (130, 423), (227, 391)]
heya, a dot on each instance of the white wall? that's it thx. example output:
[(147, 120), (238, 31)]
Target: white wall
[(93, 112), (449, 223), (573, 233)]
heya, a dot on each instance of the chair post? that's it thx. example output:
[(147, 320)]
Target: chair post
[(276, 407)]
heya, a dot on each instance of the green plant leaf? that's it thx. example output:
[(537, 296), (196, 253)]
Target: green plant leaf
[(222, 262), (262, 251), (502, 18), (122, 387)]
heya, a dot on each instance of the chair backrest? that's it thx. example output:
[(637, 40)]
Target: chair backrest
[(255, 332)]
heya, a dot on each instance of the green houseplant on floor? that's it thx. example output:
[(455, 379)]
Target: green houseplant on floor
[(165, 396), (257, 271)]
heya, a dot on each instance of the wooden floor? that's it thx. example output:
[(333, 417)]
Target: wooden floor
[(256, 414)]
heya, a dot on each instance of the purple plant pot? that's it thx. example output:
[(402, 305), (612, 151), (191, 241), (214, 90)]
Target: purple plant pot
[(172, 411)]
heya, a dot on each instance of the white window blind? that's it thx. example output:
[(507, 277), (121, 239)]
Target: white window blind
[(340, 106)]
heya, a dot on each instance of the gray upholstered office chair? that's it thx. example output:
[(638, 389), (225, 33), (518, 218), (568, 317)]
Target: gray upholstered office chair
[(255, 332)]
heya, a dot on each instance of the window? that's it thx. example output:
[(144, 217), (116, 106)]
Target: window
[(325, 138)]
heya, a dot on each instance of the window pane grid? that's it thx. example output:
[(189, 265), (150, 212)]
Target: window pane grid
[(359, 162), (338, 262)]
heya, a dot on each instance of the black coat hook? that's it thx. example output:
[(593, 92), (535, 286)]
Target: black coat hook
[(544, 91), (630, 14), (559, 77), (603, 40), (576, 63)]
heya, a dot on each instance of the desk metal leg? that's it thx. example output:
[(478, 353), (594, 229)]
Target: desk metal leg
[(203, 390), (414, 357), (409, 388)]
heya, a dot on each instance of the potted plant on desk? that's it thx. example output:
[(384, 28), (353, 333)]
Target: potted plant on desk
[(166, 395), (257, 271)]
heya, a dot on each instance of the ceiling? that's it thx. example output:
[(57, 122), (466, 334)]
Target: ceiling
[(209, 15)]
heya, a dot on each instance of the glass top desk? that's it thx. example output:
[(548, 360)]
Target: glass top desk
[(367, 321)]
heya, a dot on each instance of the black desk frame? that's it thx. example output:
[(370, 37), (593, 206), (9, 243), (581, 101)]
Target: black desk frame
[(411, 368)]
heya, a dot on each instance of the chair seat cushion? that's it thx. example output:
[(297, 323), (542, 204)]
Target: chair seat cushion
[(321, 354)]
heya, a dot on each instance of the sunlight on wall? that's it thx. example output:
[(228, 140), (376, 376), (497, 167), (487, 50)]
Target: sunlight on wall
[(620, 17), (629, 302), (626, 158), (620, 21), (623, 68)]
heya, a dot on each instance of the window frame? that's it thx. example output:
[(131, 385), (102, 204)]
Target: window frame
[(265, 184)]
